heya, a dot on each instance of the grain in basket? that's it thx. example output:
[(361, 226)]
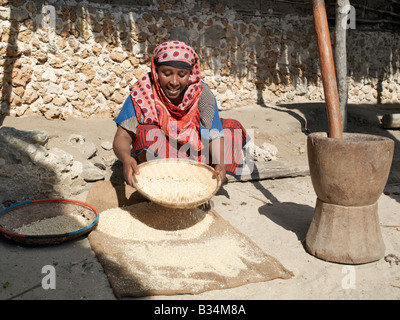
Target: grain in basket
[(174, 189), (176, 183), (55, 225)]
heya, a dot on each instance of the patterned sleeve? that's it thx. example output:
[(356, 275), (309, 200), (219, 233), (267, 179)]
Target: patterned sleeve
[(127, 116), (210, 123)]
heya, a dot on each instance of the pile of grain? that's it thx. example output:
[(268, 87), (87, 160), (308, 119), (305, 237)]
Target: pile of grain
[(55, 225), (199, 248), (224, 256), (150, 222), (140, 259), (173, 189)]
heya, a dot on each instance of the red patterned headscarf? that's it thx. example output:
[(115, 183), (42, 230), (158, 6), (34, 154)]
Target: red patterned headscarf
[(180, 122)]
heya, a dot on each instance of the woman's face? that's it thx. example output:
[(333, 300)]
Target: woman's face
[(173, 82)]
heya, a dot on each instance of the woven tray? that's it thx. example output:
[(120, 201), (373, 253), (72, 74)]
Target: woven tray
[(178, 168), (30, 211)]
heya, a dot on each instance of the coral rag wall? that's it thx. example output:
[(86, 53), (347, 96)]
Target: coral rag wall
[(74, 58)]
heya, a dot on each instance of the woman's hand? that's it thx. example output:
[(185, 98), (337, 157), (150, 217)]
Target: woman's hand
[(122, 149), (217, 157), (220, 169), (130, 167)]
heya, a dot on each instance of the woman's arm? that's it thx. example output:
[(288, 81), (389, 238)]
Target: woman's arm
[(209, 120), (122, 149), (216, 148)]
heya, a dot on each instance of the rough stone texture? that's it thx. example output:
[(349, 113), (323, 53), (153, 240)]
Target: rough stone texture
[(29, 168), (80, 59)]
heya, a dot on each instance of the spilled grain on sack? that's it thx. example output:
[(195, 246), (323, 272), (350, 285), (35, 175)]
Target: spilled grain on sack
[(175, 258), (155, 223)]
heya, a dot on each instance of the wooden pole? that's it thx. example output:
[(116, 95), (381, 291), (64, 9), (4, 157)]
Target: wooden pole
[(327, 70), (340, 54)]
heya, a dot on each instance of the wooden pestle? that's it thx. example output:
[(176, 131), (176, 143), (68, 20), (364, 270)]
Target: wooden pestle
[(327, 70)]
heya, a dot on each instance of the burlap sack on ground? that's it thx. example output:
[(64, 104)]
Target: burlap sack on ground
[(104, 195), (146, 249)]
